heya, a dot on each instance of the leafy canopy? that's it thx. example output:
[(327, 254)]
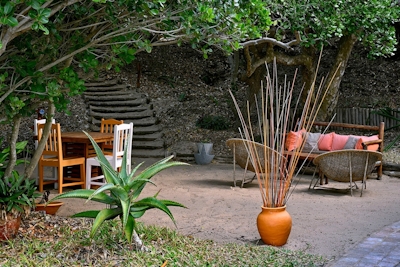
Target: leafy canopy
[(48, 48)]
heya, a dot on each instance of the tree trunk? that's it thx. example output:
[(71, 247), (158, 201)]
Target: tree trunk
[(13, 146), (335, 76), (38, 152)]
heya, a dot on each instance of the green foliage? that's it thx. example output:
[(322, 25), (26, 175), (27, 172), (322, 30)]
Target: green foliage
[(17, 194), (124, 190), (44, 47), (318, 22), (165, 245), (213, 122)]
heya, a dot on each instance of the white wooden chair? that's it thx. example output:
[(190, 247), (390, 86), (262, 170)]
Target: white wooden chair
[(122, 137)]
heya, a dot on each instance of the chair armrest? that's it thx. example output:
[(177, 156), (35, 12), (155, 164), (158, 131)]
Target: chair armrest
[(373, 142)]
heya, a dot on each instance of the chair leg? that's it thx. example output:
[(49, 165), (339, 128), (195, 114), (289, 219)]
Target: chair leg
[(60, 172), (83, 175), (313, 177), (40, 178), (88, 175), (234, 166)]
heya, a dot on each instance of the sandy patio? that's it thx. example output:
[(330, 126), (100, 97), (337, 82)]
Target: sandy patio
[(326, 222)]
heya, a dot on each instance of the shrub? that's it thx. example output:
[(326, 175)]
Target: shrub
[(213, 123)]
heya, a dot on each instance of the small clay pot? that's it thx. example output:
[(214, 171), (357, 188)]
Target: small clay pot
[(51, 208)]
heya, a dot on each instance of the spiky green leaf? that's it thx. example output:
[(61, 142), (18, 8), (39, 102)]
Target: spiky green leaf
[(86, 194), (103, 215), (129, 228)]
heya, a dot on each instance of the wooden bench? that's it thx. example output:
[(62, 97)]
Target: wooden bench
[(379, 130)]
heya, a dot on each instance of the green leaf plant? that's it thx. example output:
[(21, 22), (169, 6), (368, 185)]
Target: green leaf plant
[(120, 193), (17, 194)]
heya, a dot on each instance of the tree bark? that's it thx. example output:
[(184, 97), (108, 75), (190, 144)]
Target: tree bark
[(13, 146), (256, 57), (335, 76), (38, 152)]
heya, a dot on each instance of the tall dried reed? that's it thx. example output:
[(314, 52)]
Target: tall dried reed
[(273, 168)]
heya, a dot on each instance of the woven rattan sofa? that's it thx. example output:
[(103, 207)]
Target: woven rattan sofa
[(377, 144)]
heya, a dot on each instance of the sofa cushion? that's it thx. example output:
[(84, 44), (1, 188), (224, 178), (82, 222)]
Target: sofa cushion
[(311, 141), (325, 142), (351, 142), (294, 140), (339, 141), (368, 138)]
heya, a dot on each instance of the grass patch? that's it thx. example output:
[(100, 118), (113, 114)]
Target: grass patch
[(69, 245)]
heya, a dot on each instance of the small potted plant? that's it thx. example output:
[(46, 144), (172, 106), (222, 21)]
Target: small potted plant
[(17, 196), (49, 208)]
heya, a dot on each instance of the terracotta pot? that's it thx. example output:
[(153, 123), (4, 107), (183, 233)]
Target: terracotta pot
[(51, 208), (9, 228), (274, 225)]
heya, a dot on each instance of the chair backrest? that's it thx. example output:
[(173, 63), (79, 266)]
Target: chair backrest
[(262, 154), (107, 126), (36, 122), (53, 145), (123, 134)]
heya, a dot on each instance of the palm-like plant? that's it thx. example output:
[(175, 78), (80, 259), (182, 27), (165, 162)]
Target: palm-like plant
[(121, 193)]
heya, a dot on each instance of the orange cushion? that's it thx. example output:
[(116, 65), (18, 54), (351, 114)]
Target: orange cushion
[(339, 141), (368, 138), (294, 140), (325, 142)]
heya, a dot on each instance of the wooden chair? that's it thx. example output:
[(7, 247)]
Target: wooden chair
[(36, 122), (107, 126), (122, 138), (52, 156), (348, 165)]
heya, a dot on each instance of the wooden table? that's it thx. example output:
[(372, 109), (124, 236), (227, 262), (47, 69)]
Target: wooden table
[(79, 144)]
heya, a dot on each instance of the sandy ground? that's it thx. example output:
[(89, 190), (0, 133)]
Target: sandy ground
[(326, 222)]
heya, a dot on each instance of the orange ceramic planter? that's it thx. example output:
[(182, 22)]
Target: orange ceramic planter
[(274, 225), (9, 228), (51, 208)]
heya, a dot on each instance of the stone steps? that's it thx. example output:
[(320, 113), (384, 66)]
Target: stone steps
[(110, 99)]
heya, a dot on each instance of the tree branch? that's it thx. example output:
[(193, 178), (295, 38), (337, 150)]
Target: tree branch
[(287, 46)]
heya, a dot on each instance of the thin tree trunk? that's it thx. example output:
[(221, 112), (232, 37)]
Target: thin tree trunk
[(13, 146), (38, 152), (335, 76)]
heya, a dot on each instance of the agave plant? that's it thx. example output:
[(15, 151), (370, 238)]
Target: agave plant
[(120, 193)]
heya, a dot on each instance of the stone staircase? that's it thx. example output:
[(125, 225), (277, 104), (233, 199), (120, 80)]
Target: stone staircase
[(113, 99)]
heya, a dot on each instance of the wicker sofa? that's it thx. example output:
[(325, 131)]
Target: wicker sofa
[(332, 141)]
